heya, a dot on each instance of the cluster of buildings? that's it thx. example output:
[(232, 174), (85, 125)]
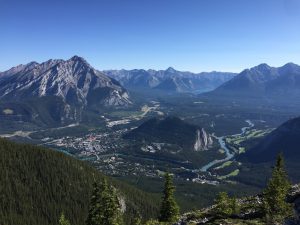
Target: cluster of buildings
[(107, 151)]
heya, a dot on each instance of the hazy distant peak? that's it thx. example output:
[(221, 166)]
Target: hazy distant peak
[(171, 70), (264, 80), (262, 67), (290, 68)]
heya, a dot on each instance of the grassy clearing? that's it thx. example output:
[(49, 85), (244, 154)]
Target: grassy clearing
[(254, 133), (232, 174), (239, 222), (123, 114), (8, 111), (225, 164)]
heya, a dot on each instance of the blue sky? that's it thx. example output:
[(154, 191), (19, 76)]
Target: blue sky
[(194, 35)]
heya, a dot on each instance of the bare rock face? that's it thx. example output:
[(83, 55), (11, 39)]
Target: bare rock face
[(294, 197), (73, 80), (62, 89), (203, 140)]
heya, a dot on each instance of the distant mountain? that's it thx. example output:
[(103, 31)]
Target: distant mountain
[(175, 84), (72, 86), (169, 80), (134, 78), (264, 80), (285, 139), (74, 80), (172, 130)]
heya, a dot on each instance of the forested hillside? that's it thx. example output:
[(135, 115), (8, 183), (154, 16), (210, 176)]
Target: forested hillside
[(38, 184)]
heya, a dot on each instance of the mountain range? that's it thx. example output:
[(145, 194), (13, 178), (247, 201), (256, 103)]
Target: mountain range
[(170, 80), (61, 91), (73, 80), (62, 88), (263, 80)]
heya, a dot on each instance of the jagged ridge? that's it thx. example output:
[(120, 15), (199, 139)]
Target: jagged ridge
[(73, 80)]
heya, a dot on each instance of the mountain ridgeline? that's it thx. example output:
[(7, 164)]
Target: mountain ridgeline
[(169, 80), (285, 139), (258, 159), (62, 89), (172, 130), (263, 80)]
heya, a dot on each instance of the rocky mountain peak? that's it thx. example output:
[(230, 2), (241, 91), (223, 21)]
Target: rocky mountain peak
[(171, 70), (74, 81), (262, 66), (78, 59), (290, 68)]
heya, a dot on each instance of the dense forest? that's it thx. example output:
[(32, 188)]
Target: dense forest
[(38, 184)]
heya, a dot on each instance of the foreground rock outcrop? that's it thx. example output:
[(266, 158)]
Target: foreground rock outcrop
[(250, 212)]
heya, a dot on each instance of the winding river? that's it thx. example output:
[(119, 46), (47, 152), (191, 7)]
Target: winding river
[(223, 146)]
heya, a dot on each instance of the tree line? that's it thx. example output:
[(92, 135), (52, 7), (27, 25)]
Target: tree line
[(105, 207), (274, 208)]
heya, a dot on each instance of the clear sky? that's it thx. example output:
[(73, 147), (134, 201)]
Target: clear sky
[(194, 35)]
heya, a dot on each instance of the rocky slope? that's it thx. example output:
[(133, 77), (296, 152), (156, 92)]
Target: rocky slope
[(250, 212), (170, 80), (73, 80), (172, 130), (64, 87), (264, 80), (285, 139)]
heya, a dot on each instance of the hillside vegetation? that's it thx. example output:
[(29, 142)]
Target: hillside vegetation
[(38, 184)]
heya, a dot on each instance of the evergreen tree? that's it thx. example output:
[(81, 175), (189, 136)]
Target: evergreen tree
[(63, 220), (111, 214), (104, 206), (137, 221), (223, 205), (95, 207), (275, 206), (169, 211), (226, 206), (235, 207)]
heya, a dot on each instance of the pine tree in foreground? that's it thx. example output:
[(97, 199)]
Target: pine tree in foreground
[(95, 207), (104, 207), (169, 211), (223, 208), (226, 206), (137, 220), (111, 214), (63, 220), (275, 206)]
